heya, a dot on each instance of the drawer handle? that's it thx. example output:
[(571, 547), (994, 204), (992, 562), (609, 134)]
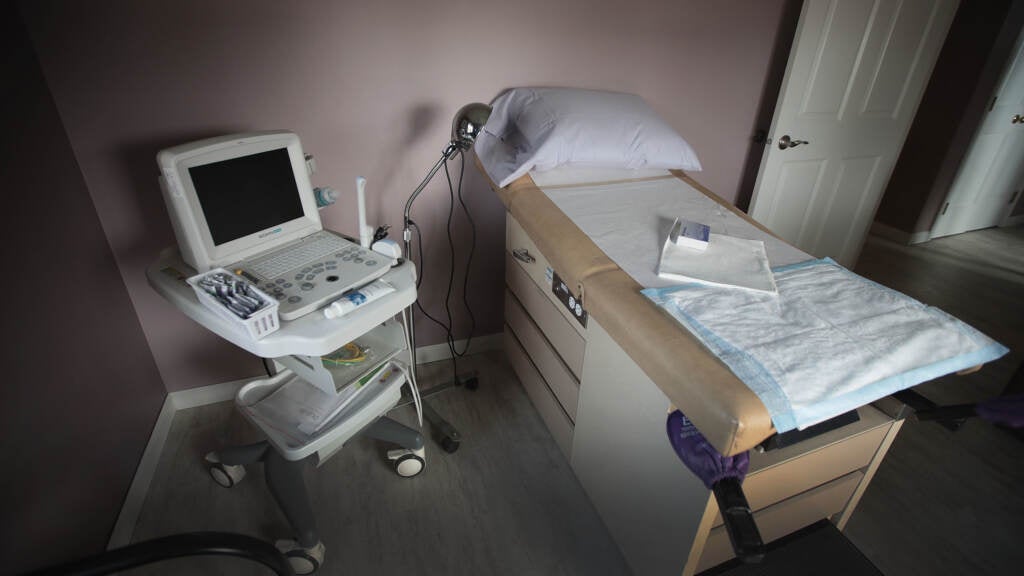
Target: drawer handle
[(524, 255)]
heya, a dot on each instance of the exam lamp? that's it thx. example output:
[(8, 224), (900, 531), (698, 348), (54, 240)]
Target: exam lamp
[(468, 122), (466, 125)]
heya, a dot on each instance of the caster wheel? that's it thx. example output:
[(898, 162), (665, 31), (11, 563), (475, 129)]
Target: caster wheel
[(449, 445), (224, 474), (409, 465), (302, 560), (472, 383)]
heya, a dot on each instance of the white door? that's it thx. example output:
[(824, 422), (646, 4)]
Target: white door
[(855, 76), (991, 176)]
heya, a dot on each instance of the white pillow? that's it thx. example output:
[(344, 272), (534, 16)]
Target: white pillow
[(543, 128)]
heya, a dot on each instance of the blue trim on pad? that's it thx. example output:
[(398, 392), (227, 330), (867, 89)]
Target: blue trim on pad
[(749, 370)]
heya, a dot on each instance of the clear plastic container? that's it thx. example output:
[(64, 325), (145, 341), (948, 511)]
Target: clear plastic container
[(258, 324)]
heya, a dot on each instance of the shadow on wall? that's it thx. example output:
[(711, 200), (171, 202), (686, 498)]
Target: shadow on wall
[(769, 96), (420, 118)]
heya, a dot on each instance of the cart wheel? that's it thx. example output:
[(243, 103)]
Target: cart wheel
[(472, 383), (302, 560), (409, 465), (449, 444), (226, 475)]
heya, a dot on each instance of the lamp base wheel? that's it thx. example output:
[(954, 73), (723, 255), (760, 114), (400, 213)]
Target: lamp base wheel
[(302, 560), (449, 444)]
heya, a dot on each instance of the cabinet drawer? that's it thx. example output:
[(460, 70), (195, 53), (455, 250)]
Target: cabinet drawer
[(543, 400), (777, 481), (538, 271), (554, 371), (556, 328), (785, 517)]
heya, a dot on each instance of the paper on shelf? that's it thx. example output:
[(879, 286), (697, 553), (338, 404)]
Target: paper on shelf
[(298, 405)]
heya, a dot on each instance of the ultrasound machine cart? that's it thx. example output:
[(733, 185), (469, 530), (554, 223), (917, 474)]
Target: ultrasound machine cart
[(299, 345)]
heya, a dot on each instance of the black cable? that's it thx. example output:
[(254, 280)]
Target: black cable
[(469, 258), (451, 260), (448, 328), (419, 279)]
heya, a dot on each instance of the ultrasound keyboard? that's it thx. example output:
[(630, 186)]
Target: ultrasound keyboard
[(312, 272)]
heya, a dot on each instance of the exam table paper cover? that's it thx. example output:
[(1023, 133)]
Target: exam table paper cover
[(829, 342), (629, 220)]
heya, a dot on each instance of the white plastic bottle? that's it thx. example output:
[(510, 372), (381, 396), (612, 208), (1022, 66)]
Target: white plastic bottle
[(357, 298)]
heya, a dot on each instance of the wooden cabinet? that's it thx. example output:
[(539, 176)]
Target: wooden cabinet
[(608, 418)]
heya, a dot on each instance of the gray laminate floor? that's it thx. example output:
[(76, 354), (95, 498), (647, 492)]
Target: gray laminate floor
[(507, 503), (952, 502)]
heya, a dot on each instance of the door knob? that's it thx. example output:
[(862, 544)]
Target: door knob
[(787, 142), (1017, 119)]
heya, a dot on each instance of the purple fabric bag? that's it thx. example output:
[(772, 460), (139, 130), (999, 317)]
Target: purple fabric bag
[(699, 456), (1005, 410), (723, 475)]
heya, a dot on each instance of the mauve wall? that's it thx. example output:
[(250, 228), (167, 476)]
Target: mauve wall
[(80, 391), (370, 87)]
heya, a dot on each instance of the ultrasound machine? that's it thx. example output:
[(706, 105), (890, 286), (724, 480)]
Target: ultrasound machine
[(244, 203)]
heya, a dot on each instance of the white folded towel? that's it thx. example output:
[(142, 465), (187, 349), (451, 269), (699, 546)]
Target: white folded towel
[(727, 262)]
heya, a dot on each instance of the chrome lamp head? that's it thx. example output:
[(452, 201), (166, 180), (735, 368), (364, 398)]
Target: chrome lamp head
[(468, 122)]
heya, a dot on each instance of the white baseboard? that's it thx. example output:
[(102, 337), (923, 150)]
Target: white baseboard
[(900, 236), (1012, 221), (203, 395), (124, 528), (435, 352), (121, 535)]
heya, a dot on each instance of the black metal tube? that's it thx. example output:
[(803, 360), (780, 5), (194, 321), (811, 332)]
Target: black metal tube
[(739, 521), (177, 546)]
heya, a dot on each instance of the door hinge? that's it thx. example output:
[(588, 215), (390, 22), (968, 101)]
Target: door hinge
[(1013, 198), (944, 208), (993, 104)]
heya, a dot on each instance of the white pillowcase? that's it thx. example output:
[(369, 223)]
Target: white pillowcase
[(543, 128)]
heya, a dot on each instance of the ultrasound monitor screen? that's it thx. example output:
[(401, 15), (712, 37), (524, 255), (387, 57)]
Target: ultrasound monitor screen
[(242, 196)]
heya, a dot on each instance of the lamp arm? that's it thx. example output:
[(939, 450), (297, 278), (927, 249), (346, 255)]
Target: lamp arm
[(450, 151)]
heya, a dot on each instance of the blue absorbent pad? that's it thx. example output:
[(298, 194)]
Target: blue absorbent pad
[(830, 341)]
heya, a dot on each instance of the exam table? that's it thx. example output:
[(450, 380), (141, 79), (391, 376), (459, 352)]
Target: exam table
[(604, 367)]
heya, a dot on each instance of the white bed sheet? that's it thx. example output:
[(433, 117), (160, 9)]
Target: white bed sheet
[(629, 218)]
